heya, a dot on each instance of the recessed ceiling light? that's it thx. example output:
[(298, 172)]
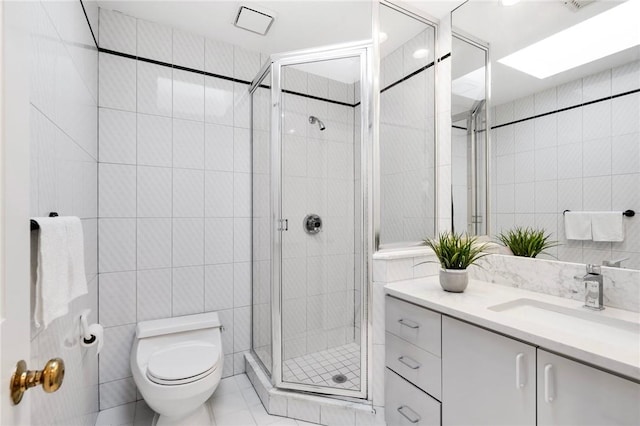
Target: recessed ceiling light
[(421, 53), (509, 2), (602, 35), (382, 36)]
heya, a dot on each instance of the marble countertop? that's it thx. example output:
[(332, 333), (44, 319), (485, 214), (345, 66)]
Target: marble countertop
[(592, 343)]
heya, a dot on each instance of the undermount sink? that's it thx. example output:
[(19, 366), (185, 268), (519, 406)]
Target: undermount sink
[(579, 320)]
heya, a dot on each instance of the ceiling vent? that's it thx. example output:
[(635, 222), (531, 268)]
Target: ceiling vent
[(576, 5), (253, 20)]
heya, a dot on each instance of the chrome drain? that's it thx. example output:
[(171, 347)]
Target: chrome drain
[(339, 378)]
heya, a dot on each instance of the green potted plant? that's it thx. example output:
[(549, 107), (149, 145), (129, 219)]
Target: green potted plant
[(456, 252), (526, 242)]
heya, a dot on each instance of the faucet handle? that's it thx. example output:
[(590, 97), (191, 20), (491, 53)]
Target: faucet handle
[(593, 269), (614, 263)]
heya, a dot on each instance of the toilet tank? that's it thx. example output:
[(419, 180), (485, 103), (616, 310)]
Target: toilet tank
[(165, 326)]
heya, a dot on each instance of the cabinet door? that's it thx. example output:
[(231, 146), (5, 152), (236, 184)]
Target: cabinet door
[(487, 379), (571, 393)]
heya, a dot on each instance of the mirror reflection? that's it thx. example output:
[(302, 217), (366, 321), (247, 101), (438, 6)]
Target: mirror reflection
[(407, 131), (565, 130), (468, 135)]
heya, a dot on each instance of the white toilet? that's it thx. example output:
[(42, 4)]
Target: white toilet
[(177, 365)]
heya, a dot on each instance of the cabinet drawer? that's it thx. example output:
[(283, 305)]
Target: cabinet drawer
[(414, 324), (407, 405), (414, 364)]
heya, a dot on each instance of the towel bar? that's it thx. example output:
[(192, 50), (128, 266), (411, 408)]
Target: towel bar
[(34, 224), (627, 213)]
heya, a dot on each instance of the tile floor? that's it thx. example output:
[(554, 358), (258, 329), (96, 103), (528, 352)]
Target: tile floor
[(318, 368), (235, 403)]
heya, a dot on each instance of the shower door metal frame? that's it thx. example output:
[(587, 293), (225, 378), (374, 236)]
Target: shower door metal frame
[(255, 83), (363, 50)]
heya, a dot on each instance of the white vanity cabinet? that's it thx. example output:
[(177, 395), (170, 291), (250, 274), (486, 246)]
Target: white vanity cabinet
[(571, 393), (441, 370), (487, 379)]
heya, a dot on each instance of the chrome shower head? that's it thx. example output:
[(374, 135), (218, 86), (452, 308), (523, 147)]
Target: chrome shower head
[(313, 120)]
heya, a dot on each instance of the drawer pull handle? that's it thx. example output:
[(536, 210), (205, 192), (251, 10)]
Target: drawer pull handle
[(409, 323), (409, 414), (411, 363)]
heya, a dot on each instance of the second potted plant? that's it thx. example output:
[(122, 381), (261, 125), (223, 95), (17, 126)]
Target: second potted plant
[(455, 252), (526, 242)]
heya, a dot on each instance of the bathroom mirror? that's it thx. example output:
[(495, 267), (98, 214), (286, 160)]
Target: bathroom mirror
[(407, 131), (565, 118), (469, 93)]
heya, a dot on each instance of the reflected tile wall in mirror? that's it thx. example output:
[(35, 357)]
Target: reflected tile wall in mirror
[(407, 136), (583, 158)]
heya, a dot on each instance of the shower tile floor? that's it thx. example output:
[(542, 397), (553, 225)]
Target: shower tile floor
[(318, 368)]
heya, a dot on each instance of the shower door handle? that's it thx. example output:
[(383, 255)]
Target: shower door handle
[(409, 414), (409, 362)]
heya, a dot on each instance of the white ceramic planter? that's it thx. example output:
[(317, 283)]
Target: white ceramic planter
[(454, 280)]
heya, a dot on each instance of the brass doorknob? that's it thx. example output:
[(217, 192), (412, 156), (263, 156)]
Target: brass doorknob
[(50, 378)]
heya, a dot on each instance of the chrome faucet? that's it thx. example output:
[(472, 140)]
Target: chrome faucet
[(614, 263), (593, 288)]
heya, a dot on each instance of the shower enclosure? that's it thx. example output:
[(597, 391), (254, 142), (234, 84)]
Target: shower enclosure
[(311, 135)]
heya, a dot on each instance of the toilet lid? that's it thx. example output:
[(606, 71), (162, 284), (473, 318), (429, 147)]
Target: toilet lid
[(179, 363)]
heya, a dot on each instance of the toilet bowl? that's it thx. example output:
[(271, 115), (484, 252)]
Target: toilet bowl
[(177, 365)]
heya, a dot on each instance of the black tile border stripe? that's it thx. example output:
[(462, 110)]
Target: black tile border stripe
[(442, 58), (407, 77), (606, 98), (89, 24), (210, 74), (236, 80), (319, 98)]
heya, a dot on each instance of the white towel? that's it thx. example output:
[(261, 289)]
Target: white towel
[(607, 226), (577, 225), (60, 271)]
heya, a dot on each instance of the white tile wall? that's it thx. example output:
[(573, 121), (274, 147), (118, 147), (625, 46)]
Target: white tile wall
[(585, 158), (188, 49), (64, 178), (154, 41), (175, 190), (117, 32)]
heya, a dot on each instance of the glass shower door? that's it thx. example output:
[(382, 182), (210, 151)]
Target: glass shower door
[(322, 342)]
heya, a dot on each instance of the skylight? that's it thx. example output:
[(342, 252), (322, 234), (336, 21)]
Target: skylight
[(610, 32)]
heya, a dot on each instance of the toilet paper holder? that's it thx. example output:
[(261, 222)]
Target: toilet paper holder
[(87, 337)]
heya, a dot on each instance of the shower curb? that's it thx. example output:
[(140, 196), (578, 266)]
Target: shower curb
[(308, 407)]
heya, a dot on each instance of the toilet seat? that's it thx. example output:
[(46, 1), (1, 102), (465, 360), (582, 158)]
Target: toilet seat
[(183, 363)]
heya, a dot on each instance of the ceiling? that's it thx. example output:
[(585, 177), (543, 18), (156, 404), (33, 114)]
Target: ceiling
[(511, 28)]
